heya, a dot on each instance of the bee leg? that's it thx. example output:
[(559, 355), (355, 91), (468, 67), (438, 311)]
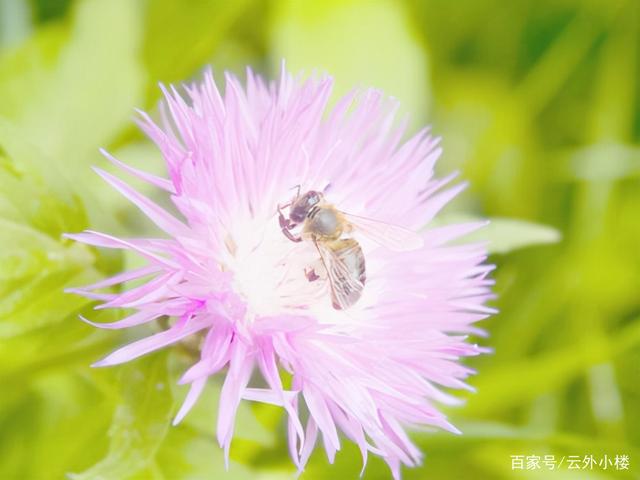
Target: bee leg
[(290, 236), (311, 274), (315, 271), (286, 225)]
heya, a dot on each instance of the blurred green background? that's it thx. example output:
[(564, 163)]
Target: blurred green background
[(538, 103)]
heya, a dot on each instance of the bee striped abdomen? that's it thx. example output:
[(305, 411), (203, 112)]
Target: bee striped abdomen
[(353, 272)]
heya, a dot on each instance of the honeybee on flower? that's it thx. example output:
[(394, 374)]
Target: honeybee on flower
[(343, 284)]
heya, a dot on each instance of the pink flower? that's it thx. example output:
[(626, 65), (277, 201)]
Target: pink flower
[(368, 367)]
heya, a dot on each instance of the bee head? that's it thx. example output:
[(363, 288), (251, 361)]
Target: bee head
[(303, 204)]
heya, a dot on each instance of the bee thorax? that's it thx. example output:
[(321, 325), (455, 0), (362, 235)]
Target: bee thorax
[(323, 222)]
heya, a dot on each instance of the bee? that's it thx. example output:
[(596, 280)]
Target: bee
[(329, 229)]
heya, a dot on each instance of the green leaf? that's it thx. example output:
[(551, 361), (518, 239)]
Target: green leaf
[(508, 234), (51, 417), (51, 348), (26, 237), (361, 43), (26, 250), (34, 189), (72, 88), (193, 455), (605, 162), (87, 74), (41, 300), (140, 423), (36, 263), (504, 235), (191, 450), (517, 382), (175, 53), (15, 22)]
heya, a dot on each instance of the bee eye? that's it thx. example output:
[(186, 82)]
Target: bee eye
[(313, 199)]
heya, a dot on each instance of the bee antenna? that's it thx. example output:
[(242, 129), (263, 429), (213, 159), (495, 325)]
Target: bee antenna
[(298, 188)]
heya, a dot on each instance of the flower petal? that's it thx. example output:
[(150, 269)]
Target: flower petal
[(149, 344), (159, 216)]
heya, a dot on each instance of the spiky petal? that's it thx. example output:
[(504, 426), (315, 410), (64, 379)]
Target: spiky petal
[(225, 271)]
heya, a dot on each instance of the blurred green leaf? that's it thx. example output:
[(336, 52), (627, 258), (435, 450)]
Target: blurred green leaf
[(71, 89), (39, 300), (27, 250), (15, 23), (140, 423), (504, 235), (538, 106), (507, 234), (359, 42), (36, 263), (520, 381), (46, 10), (50, 346), (605, 162), (191, 450), (52, 409), (180, 39), (560, 60), (35, 189), (248, 428)]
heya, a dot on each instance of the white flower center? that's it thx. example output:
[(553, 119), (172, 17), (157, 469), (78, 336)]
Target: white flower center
[(270, 271)]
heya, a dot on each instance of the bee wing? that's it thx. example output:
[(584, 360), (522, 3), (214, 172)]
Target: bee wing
[(346, 288), (393, 237)]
